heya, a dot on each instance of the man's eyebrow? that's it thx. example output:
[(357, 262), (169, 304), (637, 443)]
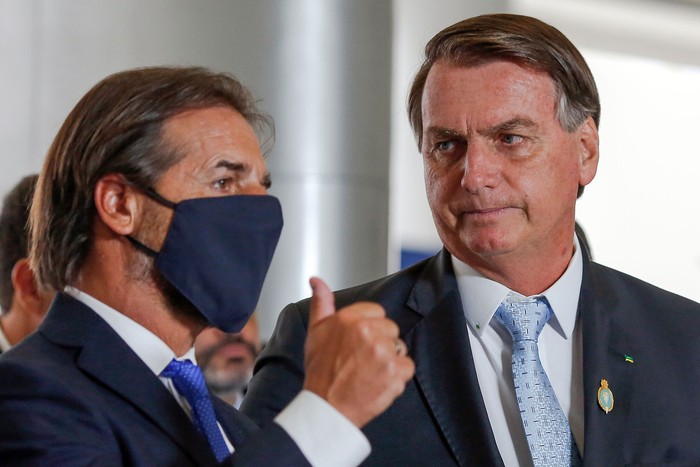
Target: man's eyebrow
[(508, 125), (435, 132), (241, 167), (232, 166)]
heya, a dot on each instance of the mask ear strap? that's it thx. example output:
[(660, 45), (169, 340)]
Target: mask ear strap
[(158, 198), (141, 247)]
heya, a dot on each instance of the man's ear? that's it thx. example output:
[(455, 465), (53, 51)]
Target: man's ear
[(117, 203), (588, 151), (26, 290)]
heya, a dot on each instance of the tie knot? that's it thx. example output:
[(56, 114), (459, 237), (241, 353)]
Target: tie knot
[(187, 378), (524, 319)]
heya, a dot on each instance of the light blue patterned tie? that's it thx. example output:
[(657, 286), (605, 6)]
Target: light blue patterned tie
[(189, 382), (546, 427)]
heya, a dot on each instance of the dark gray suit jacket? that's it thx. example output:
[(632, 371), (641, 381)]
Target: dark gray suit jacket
[(441, 418), (75, 394)]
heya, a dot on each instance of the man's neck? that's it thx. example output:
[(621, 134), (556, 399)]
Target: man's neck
[(526, 274), (142, 301)]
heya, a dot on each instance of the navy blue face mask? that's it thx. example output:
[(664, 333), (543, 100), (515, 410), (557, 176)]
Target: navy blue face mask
[(217, 252)]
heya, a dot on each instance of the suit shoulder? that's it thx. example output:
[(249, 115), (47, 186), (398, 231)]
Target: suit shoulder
[(387, 291), (36, 366), (389, 288), (643, 300)]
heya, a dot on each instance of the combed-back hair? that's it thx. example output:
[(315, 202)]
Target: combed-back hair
[(520, 39)]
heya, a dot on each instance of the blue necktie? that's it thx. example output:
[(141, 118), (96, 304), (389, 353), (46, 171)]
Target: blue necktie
[(189, 382), (546, 427)]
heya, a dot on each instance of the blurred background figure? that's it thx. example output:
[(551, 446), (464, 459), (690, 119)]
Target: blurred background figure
[(23, 305), (227, 360)]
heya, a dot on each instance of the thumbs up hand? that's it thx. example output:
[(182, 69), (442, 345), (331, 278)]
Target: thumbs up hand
[(353, 357)]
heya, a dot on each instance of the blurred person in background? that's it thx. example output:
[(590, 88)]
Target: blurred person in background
[(23, 304), (227, 359)]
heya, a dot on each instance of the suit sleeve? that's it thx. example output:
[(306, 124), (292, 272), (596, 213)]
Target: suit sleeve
[(271, 447), (279, 371)]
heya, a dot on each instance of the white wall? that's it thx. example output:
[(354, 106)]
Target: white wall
[(639, 212), (53, 51)]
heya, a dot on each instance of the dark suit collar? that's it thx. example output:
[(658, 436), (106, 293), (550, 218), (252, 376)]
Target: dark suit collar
[(606, 345), (445, 372), (104, 356), (431, 286)]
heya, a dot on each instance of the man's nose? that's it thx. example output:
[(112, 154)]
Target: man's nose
[(480, 167)]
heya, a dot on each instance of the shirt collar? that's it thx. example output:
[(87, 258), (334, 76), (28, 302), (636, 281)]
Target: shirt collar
[(481, 296), (4, 343), (150, 348)]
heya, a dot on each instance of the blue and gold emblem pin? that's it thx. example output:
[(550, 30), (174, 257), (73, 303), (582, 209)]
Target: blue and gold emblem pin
[(606, 401)]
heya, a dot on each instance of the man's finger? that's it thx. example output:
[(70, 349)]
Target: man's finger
[(322, 301)]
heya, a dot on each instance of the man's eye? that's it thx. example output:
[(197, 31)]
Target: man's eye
[(446, 149), (445, 146), (222, 184), (511, 139)]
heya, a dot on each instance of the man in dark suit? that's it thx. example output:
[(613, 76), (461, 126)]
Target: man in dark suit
[(526, 352), (23, 304), (152, 223)]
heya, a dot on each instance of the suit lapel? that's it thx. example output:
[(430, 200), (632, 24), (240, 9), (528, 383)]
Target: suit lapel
[(236, 426), (605, 347), (445, 372), (106, 357)]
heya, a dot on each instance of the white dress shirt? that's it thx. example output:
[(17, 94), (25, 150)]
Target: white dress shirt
[(322, 433), (560, 348), (4, 343)]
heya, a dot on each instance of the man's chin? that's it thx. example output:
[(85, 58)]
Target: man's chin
[(226, 384), (485, 246)]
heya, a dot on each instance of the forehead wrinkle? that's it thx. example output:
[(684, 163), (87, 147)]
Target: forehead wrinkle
[(435, 132)]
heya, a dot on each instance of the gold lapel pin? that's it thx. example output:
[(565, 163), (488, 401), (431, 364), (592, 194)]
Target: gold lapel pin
[(606, 401)]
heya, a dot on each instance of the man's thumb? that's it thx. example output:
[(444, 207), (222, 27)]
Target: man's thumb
[(322, 301)]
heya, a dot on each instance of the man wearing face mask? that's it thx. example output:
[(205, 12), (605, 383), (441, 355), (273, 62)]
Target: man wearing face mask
[(152, 223)]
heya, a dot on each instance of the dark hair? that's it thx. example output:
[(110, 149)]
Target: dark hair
[(520, 39), (14, 234), (117, 128)]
